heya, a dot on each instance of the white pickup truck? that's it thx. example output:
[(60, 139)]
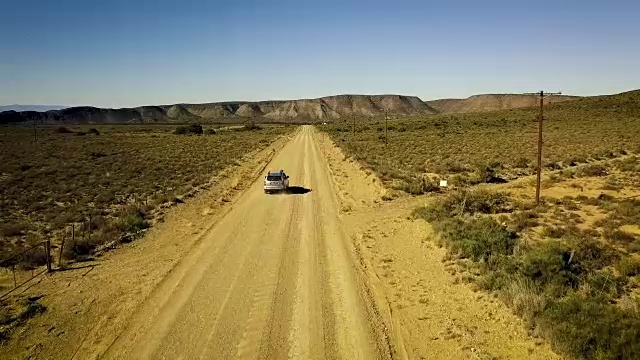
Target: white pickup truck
[(276, 181)]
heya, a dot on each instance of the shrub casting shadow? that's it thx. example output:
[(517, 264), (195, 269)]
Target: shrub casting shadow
[(497, 180)]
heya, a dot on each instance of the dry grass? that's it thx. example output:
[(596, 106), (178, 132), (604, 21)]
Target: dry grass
[(113, 174), (465, 148), (570, 267), (565, 281)]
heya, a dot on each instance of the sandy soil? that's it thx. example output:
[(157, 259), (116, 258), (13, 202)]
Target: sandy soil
[(327, 271), (273, 279), (434, 314), (90, 304)]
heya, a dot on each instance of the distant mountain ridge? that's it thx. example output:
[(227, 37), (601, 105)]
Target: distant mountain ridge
[(17, 107), (322, 109), (303, 110), (492, 102)]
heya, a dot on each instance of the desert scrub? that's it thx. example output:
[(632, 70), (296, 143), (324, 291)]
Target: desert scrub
[(193, 129), (466, 202), (416, 186), (565, 286), (524, 219), (476, 239), (592, 170), (67, 179), (447, 145), (132, 219), (591, 328)]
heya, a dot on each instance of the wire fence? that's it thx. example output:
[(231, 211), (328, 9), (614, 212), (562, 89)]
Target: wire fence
[(78, 241), (24, 265), (20, 268)]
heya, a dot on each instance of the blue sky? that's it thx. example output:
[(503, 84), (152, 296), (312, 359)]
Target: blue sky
[(128, 53)]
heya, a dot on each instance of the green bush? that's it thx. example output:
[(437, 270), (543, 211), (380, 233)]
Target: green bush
[(477, 239), (81, 247), (553, 266), (629, 164), (525, 297), (591, 253), (554, 232), (577, 159), (133, 220), (590, 328), (619, 235), (628, 211), (252, 127), (489, 174), (482, 201), (63, 130), (190, 129), (433, 212), (628, 266), (454, 167), (553, 165), (604, 282), (13, 229), (521, 163), (465, 202), (524, 219), (593, 170), (604, 155)]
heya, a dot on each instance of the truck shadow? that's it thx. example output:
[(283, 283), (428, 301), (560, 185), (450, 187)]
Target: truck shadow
[(297, 190)]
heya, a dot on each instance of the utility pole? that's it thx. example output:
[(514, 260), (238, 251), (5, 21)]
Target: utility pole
[(35, 131), (354, 125), (541, 94), (386, 120)]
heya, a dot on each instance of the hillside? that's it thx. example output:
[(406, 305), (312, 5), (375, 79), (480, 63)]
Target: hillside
[(18, 107), (492, 102), (325, 108), (587, 129), (179, 113)]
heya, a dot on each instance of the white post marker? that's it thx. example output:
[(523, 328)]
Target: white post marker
[(443, 183)]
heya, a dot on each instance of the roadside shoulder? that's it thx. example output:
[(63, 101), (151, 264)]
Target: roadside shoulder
[(88, 306), (432, 312)]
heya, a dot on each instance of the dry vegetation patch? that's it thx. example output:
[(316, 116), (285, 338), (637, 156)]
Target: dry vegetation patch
[(578, 287), (570, 267), (117, 176), (493, 147)]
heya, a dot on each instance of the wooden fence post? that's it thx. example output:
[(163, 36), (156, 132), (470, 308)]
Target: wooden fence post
[(47, 251), (62, 248)]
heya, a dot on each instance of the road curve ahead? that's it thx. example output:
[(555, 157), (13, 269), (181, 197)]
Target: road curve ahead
[(274, 279)]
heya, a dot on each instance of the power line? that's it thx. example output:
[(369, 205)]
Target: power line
[(541, 94), (386, 120), (35, 130)]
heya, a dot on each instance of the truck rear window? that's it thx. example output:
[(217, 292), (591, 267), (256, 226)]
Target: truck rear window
[(273, 178)]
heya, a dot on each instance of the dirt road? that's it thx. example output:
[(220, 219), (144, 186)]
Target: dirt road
[(275, 278)]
